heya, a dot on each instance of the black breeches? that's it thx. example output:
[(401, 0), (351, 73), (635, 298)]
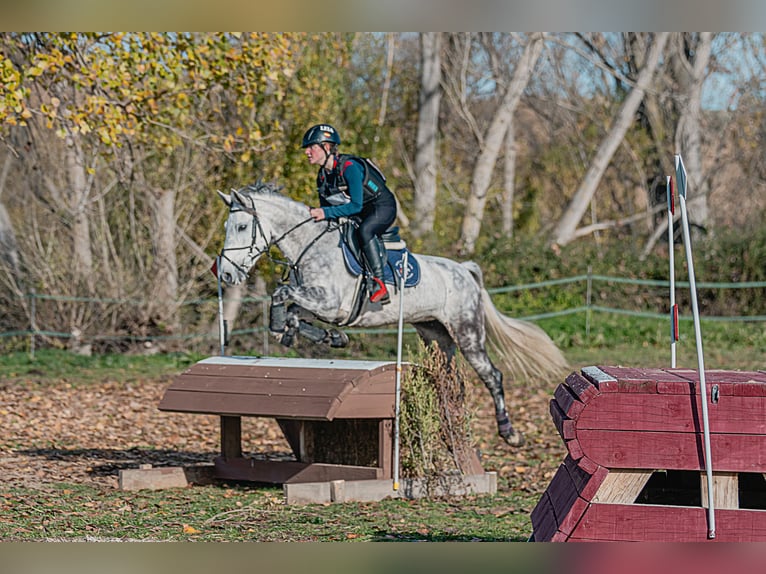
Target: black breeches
[(376, 218)]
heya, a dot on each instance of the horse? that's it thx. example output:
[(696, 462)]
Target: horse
[(449, 306)]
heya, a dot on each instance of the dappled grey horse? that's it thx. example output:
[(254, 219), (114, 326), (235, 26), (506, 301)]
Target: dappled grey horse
[(449, 305)]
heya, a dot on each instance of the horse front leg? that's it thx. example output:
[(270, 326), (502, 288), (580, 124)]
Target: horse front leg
[(287, 321)]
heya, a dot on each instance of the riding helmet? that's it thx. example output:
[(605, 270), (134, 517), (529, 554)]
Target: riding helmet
[(320, 133)]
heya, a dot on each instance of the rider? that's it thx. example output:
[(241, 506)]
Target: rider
[(342, 193)]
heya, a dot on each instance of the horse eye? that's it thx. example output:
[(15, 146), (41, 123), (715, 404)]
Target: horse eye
[(242, 227)]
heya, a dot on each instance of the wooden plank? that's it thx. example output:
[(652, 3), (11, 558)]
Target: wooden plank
[(231, 437), (563, 493), (587, 464), (587, 483), (671, 451), (364, 406), (604, 382), (725, 490), (258, 385), (544, 525), (622, 486), (653, 523), (581, 387), (673, 413), (578, 477), (385, 448), (574, 448), (284, 472), (248, 405), (563, 424), (569, 404)]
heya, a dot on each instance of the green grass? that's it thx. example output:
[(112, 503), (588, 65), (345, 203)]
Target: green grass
[(63, 366), (242, 513)]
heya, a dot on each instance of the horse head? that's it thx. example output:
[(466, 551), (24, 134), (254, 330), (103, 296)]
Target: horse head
[(246, 239)]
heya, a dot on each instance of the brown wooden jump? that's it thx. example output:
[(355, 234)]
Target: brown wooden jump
[(622, 426), (337, 416)]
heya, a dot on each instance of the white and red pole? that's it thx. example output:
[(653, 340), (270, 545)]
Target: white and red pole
[(671, 247)]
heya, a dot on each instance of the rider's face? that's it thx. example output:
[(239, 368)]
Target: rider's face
[(316, 154)]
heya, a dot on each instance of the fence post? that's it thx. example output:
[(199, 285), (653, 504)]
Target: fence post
[(32, 323), (265, 320), (588, 299)]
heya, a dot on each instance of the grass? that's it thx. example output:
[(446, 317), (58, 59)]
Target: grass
[(243, 513)]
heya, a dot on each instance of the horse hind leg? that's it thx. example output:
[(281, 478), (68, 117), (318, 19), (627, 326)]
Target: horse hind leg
[(471, 345)]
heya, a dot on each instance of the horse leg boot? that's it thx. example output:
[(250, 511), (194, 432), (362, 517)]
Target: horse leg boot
[(374, 253)]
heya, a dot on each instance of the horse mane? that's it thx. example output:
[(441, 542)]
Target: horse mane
[(264, 187)]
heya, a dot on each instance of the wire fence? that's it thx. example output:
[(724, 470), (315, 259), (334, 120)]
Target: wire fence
[(587, 307)]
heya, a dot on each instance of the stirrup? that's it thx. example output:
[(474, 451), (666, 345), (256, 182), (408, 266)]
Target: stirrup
[(381, 295)]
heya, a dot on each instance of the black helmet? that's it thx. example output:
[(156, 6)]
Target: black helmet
[(319, 134)]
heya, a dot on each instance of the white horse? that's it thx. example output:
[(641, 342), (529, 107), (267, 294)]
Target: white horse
[(449, 305)]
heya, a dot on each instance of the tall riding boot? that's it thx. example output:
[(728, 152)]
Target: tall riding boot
[(372, 252)]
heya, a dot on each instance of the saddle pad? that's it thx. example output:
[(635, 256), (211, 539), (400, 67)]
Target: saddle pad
[(395, 261)]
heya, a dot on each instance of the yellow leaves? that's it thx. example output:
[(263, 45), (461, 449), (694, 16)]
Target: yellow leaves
[(190, 529)]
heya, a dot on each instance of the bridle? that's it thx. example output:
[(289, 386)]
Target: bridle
[(291, 267)]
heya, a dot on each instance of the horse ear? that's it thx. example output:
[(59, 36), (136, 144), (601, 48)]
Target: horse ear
[(226, 198), (238, 197)]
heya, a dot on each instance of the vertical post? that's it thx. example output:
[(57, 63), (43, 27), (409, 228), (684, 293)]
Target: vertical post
[(671, 260), (588, 300), (399, 371), (681, 181), (265, 320), (221, 322), (32, 322)]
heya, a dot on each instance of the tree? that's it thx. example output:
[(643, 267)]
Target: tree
[(492, 142), (566, 228), (427, 134)]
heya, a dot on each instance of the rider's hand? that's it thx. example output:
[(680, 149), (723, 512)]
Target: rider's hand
[(317, 213)]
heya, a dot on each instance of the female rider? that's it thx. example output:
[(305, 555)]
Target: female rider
[(351, 186)]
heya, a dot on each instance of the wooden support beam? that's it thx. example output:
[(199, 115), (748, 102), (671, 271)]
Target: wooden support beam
[(725, 489), (622, 486)]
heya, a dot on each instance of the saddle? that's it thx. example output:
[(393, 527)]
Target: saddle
[(395, 249)]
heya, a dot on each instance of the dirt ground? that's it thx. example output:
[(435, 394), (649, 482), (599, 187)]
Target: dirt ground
[(66, 433)]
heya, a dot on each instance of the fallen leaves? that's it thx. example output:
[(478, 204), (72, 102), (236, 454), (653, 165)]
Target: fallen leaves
[(85, 433)]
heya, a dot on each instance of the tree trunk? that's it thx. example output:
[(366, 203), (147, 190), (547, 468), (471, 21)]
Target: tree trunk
[(493, 140), (165, 267), (9, 251), (690, 74), (509, 176), (77, 207), (428, 127), (567, 225)]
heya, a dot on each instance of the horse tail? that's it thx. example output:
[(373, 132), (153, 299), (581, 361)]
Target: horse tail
[(523, 348)]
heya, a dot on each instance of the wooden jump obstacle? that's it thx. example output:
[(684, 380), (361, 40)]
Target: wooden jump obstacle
[(634, 469), (337, 416)]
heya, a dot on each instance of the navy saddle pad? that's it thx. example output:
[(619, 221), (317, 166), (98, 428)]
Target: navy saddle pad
[(395, 261)]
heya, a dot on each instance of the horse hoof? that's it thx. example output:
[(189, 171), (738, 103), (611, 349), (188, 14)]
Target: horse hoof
[(338, 339), (514, 439), (286, 338)]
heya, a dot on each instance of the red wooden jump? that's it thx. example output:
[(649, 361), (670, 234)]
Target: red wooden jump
[(627, 430)]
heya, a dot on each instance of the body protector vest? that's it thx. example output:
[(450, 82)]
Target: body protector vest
[(333, 187)]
